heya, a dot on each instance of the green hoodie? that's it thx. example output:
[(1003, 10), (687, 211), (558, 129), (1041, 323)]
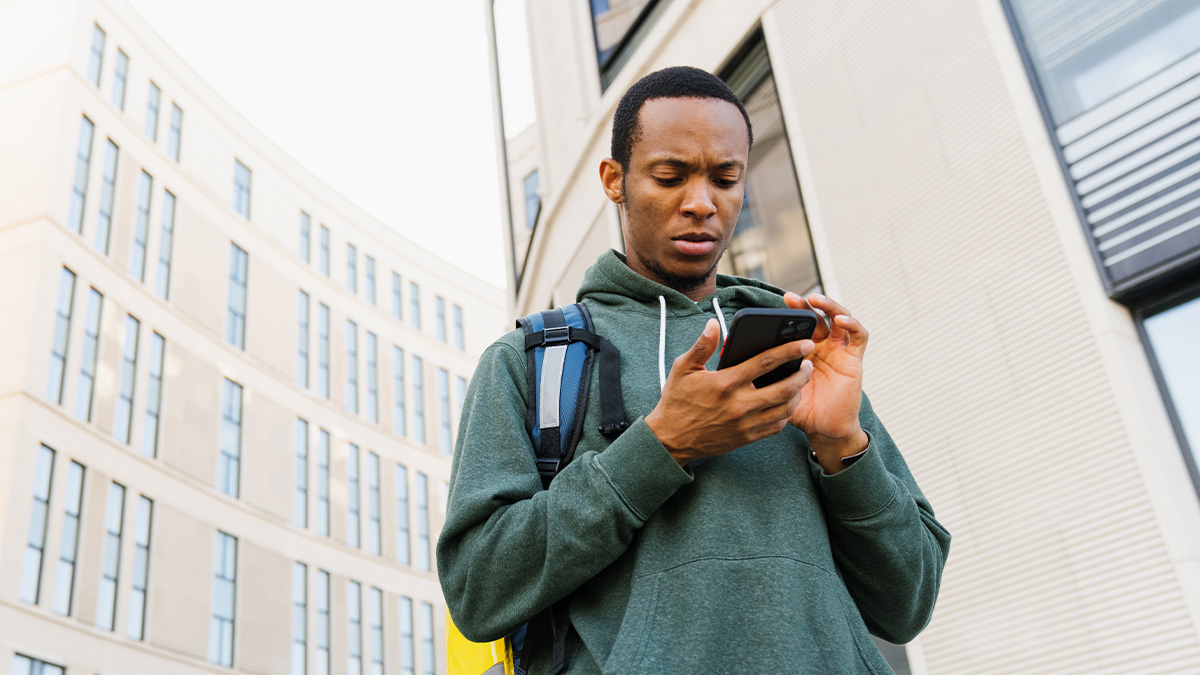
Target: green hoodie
[(755, 561)]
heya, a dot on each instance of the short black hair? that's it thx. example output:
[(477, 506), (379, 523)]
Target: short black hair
[(673, 82)]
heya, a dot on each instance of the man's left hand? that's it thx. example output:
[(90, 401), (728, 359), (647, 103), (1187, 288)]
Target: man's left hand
[(829, 403)]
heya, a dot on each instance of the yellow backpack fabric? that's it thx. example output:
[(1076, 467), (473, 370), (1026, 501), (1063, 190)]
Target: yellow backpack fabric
[(464, 657)]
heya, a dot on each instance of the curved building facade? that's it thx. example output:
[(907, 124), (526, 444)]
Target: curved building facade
[(228, 396), (1004, 191)]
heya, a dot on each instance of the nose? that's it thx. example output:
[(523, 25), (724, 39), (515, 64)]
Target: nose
[(697, 201)]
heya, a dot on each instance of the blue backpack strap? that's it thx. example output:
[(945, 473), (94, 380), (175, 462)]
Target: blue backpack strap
[(559, 347)]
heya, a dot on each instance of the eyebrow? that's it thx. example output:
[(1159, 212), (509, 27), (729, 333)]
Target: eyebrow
[(683, 164)]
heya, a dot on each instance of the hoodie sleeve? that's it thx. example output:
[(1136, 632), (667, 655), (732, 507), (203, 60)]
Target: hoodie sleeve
[(510, 549), (887, 544)]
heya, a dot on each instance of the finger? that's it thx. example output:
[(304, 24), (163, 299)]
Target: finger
[(794, 301), (856, 332), (752, 369), (696, 357), (832, 310), (786, 390)]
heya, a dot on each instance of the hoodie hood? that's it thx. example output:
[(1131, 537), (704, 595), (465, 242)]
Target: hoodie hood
[(612, 283)]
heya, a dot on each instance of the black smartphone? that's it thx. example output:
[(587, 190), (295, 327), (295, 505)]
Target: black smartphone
[(754, 331)]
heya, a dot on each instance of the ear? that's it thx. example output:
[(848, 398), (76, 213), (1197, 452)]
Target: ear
[(610, 179)]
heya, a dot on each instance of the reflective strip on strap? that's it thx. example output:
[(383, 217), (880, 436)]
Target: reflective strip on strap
[(551, 385)]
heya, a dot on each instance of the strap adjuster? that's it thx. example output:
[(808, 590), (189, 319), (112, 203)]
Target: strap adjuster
[(609, 430), (557, 335), (548, 468)]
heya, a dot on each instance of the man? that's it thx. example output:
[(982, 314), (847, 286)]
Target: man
[(729, 528)]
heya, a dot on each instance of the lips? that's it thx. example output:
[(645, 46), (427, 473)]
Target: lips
[(694, 244)]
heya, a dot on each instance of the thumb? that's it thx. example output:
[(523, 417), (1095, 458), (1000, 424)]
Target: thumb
[(699, 354)]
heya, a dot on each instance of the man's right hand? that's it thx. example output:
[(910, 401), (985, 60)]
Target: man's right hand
[(704, 413)]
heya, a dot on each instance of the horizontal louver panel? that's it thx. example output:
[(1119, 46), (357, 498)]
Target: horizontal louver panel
[(1135, 162)]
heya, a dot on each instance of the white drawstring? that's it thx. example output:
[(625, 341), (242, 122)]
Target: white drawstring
[(721, 319), (662, 336), (662, 342)]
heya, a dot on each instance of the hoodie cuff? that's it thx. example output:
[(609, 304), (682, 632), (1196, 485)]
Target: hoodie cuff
[(641, 470), (858, 491)]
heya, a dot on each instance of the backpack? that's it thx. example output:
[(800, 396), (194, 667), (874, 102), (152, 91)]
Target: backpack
[(560, 345)]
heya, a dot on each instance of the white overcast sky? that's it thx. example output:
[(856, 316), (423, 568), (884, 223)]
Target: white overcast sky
[(388, 102)]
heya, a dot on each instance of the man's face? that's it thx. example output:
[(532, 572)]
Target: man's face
[(683, 191)]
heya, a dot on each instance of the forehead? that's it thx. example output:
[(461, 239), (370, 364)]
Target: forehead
[(691, 125)]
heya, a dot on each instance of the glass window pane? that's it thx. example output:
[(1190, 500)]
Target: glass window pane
[(1173, 339)]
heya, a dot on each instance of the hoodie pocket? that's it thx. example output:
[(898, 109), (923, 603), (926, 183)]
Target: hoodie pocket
[(743, 615)]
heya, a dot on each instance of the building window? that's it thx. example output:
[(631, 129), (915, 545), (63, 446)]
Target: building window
[(375, 612), (372, 379), (107, 193), (62, 334), (1171, 338), (175, 136), (24, 665), (235, 318), (299, 619), (443, 385), (353, 517), (618, 28), (91, 347), (141, 228), (97, 55), (427, 653), (771, 240), (403, 547), (460, 342), (154, 386), (323, 261), (300, 497), (353, 628), (64, 573), (153, 99), (163, 279), (370, 280), (39, 515), (322, 351), (123, 419), (460, 394), (418, 378), (302, 340), (422, 522), (351, 367), (241, 189), (374, 522), (114, 524), (83, 158), (120, 76), (414, 299), (305, 237), (533, 200), (439, 304), (406, 637), (398, 413), (1116, 79), (323, 662), (136, 621), (397, 305), (231, 439), (323, 483), (351, 268), (220, 631)]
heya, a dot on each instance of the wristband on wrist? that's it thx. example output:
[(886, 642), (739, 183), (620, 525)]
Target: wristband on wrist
[(847, 461)]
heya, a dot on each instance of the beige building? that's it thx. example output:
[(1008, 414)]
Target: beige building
[(227, 395), (1004, 191)]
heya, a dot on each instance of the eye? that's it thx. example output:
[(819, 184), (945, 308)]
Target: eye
[(726, 182), (667, 182)]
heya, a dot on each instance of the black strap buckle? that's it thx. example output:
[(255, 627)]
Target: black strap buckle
[(557, 335), (548, 468), (613, 429)]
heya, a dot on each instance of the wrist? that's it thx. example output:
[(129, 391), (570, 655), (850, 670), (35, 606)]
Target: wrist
[(654, 422), (829, 451)]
